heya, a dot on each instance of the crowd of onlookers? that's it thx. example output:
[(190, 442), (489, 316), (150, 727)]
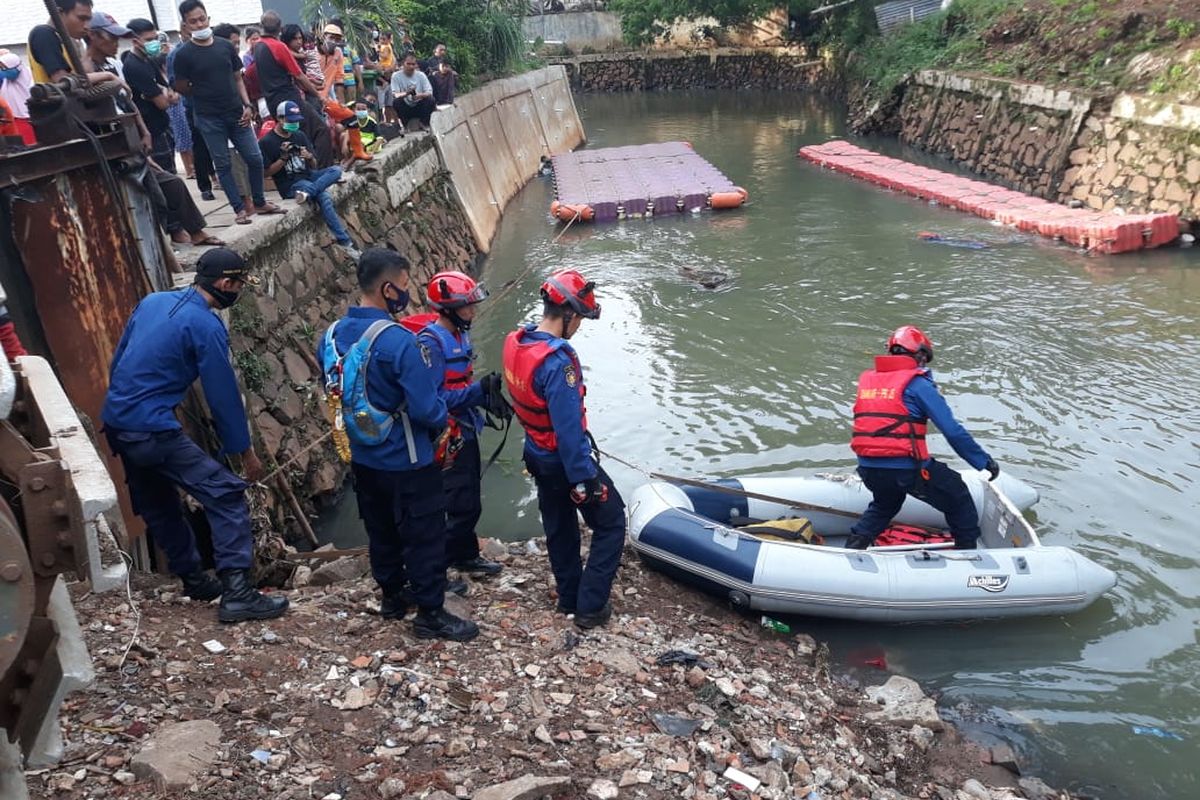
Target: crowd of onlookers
[(275, 101)]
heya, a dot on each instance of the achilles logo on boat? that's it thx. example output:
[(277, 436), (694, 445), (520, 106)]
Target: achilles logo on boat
[(989, 583)]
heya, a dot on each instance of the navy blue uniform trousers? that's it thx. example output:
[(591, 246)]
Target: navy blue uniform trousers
[(404, 513), (580, 588), (464, 503), (945, 490), (157, 465)]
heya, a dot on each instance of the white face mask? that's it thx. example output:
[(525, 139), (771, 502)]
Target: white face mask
[(203, 35)]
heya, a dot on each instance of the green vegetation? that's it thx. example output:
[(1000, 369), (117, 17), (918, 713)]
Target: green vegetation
[(643, 21), (253, 369)]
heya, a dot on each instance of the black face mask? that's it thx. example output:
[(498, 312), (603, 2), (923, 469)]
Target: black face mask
[(394, 305), (223, 298), (459, 323)]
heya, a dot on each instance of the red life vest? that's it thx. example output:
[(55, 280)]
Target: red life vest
[(522, 357), (883, 427)]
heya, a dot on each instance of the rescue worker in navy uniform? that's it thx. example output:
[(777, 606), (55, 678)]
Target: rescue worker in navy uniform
[(895, 403), (545, 381), (171, 339), (455, 295), (400, 494)]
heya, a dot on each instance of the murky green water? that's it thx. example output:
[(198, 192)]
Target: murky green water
[(1080, 374)]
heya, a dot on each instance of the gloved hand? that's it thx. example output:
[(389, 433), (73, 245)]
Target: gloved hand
[(494, 401), (992, 467), (590, 491)]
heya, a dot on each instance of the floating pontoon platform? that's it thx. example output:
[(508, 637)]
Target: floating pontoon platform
[(638, 181), (1095, 231)]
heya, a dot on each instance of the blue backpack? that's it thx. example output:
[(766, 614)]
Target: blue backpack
[(346, 388)]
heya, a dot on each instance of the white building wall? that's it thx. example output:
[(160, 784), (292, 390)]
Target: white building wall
[(20, 15)]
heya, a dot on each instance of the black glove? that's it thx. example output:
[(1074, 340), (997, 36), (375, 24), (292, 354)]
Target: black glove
[(494, 401), (993, 468), (588, 492)]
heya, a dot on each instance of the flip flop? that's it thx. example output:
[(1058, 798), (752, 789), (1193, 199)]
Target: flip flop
[(269, 208), (242, 218), (209, 241)]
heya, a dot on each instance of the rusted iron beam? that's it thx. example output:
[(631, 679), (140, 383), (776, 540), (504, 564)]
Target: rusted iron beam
[(29, 165)]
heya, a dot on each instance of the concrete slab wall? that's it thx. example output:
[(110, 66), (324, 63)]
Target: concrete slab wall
[(493, 138), (600, 30)]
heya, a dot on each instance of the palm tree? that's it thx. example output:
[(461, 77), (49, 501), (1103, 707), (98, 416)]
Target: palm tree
[(357, 16)]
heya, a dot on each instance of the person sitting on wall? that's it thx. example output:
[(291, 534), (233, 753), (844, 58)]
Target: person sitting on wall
[(290, 161), (444, 81), (413, 95), (368, 125)]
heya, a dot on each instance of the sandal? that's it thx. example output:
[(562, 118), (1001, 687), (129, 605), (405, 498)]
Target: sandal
[(269, 208), (209, 241), (242, 218)]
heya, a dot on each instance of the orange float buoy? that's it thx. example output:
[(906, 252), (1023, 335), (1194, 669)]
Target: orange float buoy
[(729, 199), (568, 212)]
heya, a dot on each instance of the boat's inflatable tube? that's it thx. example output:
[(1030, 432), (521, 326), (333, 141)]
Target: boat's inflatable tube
[(688, 532), (568, 212), (732, 199)]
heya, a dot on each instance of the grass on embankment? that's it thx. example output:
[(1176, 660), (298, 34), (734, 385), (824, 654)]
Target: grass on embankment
[(1100, 45)]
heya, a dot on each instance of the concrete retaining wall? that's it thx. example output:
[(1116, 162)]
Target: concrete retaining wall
[(718, 68), (1139, 155), (492, 140), (600, 30)]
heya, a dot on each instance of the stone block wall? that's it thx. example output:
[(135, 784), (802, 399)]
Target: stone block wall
[(726, 68), (1001, 130), (1133, 161), (403, 198)]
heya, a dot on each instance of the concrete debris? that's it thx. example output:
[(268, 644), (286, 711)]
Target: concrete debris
[(676, 698), (342, 569), (176, 753)]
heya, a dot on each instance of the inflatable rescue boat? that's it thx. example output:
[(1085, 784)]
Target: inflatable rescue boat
[(770, 556)]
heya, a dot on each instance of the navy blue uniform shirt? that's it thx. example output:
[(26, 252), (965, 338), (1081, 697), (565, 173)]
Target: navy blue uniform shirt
[(924, 401), (171, 339), (555, 381), (400, 370)]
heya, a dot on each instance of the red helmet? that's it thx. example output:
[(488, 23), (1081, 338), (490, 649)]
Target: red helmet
[(568, 288), (909, 340), (448, 290)]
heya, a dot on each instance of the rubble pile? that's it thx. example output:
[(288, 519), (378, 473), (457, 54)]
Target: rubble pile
[(677, 697)]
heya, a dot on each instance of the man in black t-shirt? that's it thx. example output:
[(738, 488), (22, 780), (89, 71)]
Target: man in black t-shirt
[(290, 161), (48, 54), (281, 80), (210, 70), (150, 91)]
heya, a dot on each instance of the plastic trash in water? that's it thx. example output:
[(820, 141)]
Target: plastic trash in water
[(1157, 733), (775, 625)]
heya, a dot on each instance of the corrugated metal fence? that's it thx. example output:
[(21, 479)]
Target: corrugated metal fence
[(901, 12)]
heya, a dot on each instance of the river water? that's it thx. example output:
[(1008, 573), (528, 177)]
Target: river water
[(1079, 374)]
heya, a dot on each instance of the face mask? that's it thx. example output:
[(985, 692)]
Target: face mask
[(10, 74), (203, 35), (394, 305), (291, 127), (361, 114), (223, 298), (152, 47)]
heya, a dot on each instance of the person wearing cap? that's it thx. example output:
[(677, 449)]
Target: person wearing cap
[(49, 58), (396, 480), (544, 378), (290, 161), (332, 63), (281, 79), (209, 69), (172, 338), (103, 40)]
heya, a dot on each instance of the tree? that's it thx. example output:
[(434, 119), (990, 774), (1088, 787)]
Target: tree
[(483, 37), (644, 21), (357, 16)]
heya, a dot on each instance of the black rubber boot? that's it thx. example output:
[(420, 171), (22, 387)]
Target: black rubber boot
[(397, 605), (593, 619), (441, 624), (457, 587), (857, 542), (241, 601), (200, 585), (478, 566)]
